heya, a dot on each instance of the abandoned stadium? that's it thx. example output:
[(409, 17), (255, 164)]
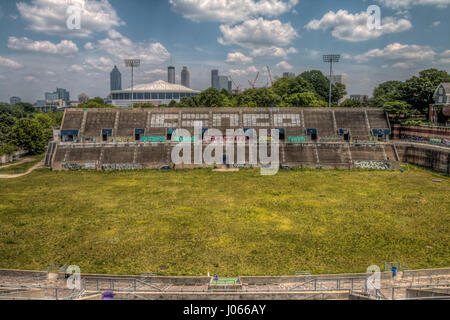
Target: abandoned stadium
[(309, 137)]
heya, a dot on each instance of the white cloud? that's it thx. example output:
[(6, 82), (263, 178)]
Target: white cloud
[(238, 58), (353, 27), (50, 16), (76, 68), (274, 52), (397, 51), (243, 72), (445, 57), (65, 47), (258, 33), (436, 23), (89, 46), (100, 63), (230, 11), (122, 47), (283, 65), (397, 4), (5, 62)]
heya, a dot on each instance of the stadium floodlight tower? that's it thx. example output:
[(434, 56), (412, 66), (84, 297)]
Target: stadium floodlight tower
[(330, 58), (132, 63)]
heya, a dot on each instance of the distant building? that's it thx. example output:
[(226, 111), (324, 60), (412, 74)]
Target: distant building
[(115, 79), (14, 100), (171, 75), (442, 94), (230, 86), (215, 79), (59, 103), (157, 93), (288, 74), (63, 94), (439, 112), (59, 94), (185, 78), (84, 97), (361, 97), (45, 108), (50, 96), (223, 83)]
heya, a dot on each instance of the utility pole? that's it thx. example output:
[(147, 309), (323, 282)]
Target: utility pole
[(132, 63), (330, 58)]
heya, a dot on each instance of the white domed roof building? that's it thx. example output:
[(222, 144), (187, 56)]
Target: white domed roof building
[(157, 93)]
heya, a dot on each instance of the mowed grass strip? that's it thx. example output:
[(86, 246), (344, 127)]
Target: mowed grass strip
[(196, 221)]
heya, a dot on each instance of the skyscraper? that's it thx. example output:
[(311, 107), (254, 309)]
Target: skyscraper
[(215, 79), (171, 75), (116, 79), (185, 78)]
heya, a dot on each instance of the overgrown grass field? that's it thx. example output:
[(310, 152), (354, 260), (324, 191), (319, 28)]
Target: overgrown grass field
[(196, 221)]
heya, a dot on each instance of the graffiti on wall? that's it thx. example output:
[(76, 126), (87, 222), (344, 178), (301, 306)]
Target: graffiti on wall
[(331, 139), (72, 166), (297, 139), (434, 140), (364, 140), (153, 139), (371, 164), (122, 166)]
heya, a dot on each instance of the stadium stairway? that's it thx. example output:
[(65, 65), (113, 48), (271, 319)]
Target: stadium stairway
[(49, 154)]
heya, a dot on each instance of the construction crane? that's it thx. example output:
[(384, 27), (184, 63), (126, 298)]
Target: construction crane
[(252, 84), (238, 86), (270, 76)]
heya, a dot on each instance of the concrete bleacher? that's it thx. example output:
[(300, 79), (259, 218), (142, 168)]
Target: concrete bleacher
[(98, 120), (354, 121), (72, 120), (322, 120), (129, 121), (378, 119)]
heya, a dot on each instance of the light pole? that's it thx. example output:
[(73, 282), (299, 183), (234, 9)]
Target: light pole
[(132, 63), (330, 58)]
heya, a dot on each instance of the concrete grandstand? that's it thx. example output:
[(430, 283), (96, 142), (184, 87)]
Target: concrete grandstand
[(309, 137)]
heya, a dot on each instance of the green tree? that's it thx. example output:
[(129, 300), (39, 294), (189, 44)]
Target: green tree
[(30, 135), (173, 104), (397, 108), (418, 91), (211, 98), (352, 103), (338, 91), (304, 99), (387, 91), (95, 103), (262, 97), (285, 87), (25, 106), (319, 81)]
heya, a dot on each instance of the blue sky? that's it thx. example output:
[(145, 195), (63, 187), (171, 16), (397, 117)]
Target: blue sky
[(239, 37)]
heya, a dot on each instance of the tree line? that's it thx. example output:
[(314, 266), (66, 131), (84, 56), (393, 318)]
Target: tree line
[(21, 127)]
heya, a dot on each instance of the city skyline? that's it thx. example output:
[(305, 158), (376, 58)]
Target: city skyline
[(38, 52)]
